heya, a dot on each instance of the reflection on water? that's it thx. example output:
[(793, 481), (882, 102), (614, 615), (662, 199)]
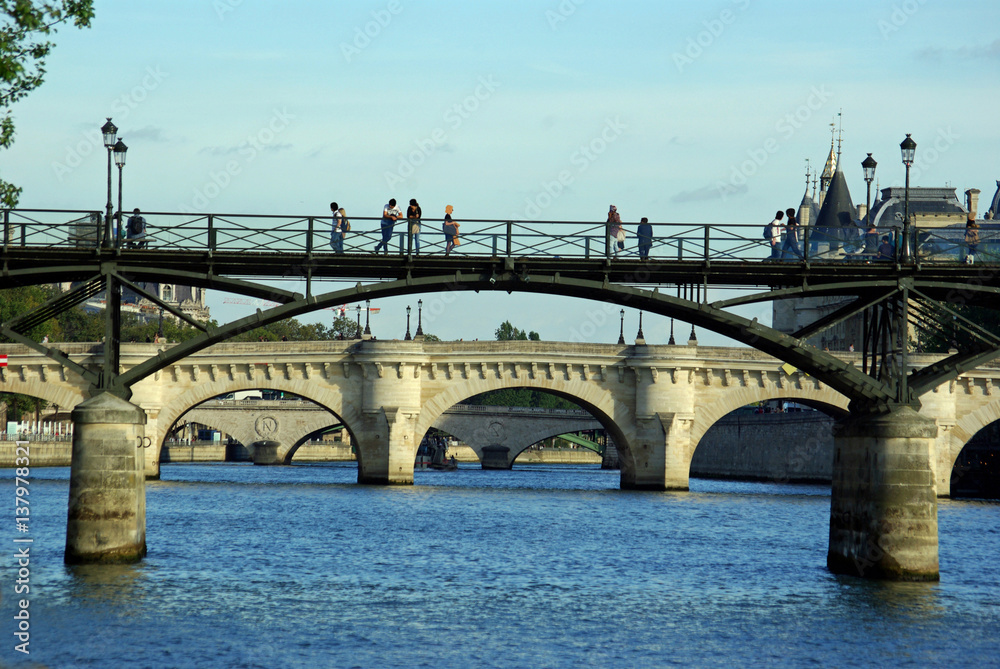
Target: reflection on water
[(547, 566)]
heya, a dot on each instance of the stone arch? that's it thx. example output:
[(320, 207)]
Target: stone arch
[(803, 463), (966, 427), (329, 398), (613, 414), (824, 399), (65, 396)]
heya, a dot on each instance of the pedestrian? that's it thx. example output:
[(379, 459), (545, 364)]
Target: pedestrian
[(644, 233), (390, 214), (337, 232), (871, 240), (136, 233), (774, 234), (885, 249), (790, 248), (971, 238), (450, 229), (413, 214), (616, 233)]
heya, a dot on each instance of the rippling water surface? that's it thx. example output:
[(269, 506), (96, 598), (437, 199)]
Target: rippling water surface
[(535, 567)]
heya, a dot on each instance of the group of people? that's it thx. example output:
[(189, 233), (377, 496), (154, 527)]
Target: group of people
[(884, 248), (616, 234), (390, 215)]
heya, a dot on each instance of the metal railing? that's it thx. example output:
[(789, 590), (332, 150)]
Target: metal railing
[(259, 233)]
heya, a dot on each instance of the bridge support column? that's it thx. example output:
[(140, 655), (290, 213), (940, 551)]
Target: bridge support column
[(660, 456), (107, 486), (496, 457), (385, 446), (883, 512), (268, 453)]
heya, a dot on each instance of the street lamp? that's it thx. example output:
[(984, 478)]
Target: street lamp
[(119, 153), (908, 147), (868, 165), (359, 322), (621, 331), (109, 130), (420, 310), (407, 337), (639, 336), (368, 313)]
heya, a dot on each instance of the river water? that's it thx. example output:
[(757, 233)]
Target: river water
[(541, 566)]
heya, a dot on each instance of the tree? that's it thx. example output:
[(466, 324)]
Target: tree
[(23, 49), (507, 332)]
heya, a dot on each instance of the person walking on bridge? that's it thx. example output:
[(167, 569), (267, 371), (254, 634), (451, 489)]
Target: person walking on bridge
[(616, 233), (774, 234), (644, 233), (390, 214), (971, 238), (337, 233), (790, 249), (413, 222), (450, 229)]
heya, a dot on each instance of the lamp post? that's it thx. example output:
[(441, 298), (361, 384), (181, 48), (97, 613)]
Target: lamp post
[(621, 331), (420, 327), (119, 152), (868, 165), (407, 337), (359, 322), (109, 131), (368, 313), (908, 147), (639, 336)]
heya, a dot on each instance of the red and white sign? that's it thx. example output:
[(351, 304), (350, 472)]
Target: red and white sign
[(3, 360)]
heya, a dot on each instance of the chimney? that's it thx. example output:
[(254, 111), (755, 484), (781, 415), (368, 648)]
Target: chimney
[(972, 201), (862, 212)]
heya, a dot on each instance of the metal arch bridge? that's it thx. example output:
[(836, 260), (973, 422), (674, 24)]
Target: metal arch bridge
[(918, 288)]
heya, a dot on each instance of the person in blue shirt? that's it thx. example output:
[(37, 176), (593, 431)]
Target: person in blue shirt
[(645, 235)]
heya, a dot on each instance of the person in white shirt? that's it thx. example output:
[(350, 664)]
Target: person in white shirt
[(390, 214), (776, 235)]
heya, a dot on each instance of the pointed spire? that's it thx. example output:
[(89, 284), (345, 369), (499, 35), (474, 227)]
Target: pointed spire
[(831, 161), (840, 133)]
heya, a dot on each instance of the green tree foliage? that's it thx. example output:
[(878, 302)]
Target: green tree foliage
[(23, 49), (19, 301), (507, 332), (953, 332)]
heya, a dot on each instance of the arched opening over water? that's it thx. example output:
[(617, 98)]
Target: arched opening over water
[(282, 420), (975, 473), (520, 421), (782, 439)]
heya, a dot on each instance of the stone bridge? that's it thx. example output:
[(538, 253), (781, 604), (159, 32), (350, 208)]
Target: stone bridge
[(656, 402), (274, 429)]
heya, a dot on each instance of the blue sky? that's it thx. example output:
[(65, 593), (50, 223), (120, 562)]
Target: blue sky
[(707, 112)]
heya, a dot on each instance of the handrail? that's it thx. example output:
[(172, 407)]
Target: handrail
[(309, 234)]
